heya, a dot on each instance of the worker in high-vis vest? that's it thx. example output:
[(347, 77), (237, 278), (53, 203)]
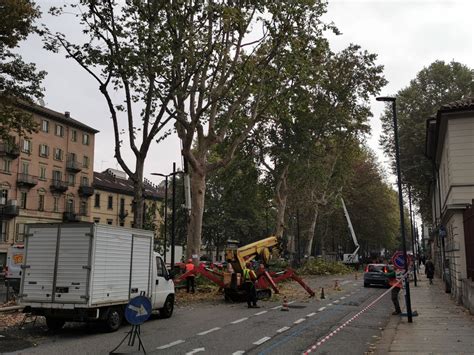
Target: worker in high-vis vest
[(249, 279), (396, 285), (190, 278)]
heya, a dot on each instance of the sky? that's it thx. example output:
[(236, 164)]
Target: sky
[(407, 35)]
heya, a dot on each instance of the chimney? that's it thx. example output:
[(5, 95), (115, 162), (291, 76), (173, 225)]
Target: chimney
[(67, 114)]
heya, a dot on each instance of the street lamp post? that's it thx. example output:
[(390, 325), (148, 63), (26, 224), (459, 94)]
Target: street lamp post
[(412, 234), (400, 201), (173, 213)]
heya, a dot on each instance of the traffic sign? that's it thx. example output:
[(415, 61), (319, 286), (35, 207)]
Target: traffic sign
[(398, 260), (138, 310)]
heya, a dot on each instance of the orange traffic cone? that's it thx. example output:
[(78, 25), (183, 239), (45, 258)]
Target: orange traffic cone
[(284, 307), (336, 285), (322, 293)]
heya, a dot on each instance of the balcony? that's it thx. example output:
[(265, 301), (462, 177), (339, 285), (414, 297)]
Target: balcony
[(8, 212), (71, 217), (9, 150), (73, 166), (25, 180), (85, 191), (58, 186)]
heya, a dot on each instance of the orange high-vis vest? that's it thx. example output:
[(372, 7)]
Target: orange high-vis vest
[(189, 266)]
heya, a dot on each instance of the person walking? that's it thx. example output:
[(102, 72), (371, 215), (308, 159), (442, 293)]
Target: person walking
[(397, 286), (190, 278), (249, 278), (429, 270)]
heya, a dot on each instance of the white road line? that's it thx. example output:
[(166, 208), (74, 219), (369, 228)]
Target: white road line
[(240, 352), (355, 284), (209, 331), (197, 350), (321, 309), (345, 282), (344, 297), (170, 344), (291, 302), (336, 301), (281, 330), (301, 320), (276, 307), (260, 313), (261, 341), (239, 320), (330, 304), (310, 315)]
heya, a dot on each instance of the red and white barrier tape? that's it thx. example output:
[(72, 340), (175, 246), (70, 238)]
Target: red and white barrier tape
[(343, 325)]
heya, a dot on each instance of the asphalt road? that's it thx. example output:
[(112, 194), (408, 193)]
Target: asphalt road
[(235, 329)]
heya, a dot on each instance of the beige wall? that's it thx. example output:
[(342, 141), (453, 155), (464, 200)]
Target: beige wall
[(33, 161)]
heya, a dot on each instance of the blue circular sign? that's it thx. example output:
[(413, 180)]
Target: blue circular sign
[(398, 260), (138, 310)]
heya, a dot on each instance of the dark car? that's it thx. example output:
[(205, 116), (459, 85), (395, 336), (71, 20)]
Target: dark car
[(376, 274)]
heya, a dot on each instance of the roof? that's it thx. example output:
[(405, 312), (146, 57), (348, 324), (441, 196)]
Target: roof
[(57, 116), (109, 181), (465, 104)]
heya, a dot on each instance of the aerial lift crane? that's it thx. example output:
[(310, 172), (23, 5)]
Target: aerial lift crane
[(354, 257)]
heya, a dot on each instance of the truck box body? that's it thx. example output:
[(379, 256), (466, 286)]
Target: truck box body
[(74, 265)]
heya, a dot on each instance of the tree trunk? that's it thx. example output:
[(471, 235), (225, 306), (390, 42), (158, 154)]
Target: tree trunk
[(311, 230), (281, 195), (138, 196), (198, 189)]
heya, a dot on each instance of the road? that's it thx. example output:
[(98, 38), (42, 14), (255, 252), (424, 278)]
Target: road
[(235, 329)]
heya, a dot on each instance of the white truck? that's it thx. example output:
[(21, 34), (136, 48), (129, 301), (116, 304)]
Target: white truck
[(89, 272), (15, 256)]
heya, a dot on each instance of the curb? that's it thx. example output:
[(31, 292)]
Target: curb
[(11, 308)]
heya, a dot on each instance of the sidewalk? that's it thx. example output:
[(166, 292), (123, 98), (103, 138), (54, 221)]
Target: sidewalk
[(441, 327)]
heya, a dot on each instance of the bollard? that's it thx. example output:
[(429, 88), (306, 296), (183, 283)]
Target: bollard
[(285, 307), (322, 293)]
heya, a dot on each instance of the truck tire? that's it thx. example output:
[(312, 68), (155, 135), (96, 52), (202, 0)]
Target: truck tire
[(54, 323), (168, 307), (114, 318)]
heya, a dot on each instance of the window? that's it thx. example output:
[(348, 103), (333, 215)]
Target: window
[(3, 232), (72, 156), (56, 204), (160, 268), (6, 165), (97, 200), (41, 201), (26, 146), (96, 220), (122, 205), (57, 175), (70, 204), (59, 130), (109, 221), (110, 202), (58, 154), (25, 167), (45, 126), (3, 196), (84, 181), (20, 232), (85, 139), (85, 162), (71, 179), (42, 172), (43, 150), (23, 200), (83, 208), (122, 224), (74, 135)]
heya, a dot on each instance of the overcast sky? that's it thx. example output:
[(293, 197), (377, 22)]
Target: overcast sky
[(406, 35)]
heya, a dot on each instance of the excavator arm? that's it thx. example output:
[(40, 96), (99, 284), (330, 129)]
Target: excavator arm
[(250, 251)]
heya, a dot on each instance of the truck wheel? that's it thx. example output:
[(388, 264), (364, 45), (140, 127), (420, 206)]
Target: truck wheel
[(366, 284), (168, 307), (113, 321), (54, 323)]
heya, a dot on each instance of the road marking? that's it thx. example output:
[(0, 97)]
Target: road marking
[(209, 331), (261, 341), (239, 320), (260, 313), (311, 314), (345, 282), (291, 302), (281, 330), (197, 350), (330, 304), (276, 307), (170, 344), (336, 301), (240, 352), (343, 298), (321, 309), (301, 320), (354, 284)]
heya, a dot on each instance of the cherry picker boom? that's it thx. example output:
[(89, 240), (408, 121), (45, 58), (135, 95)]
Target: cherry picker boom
[(354, 257)]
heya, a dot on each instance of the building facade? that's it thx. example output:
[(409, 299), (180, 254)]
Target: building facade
[(450, 147), (112, 202), (46, 177)]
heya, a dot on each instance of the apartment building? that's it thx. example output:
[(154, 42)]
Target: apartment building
[(46, 177), (112, 202)]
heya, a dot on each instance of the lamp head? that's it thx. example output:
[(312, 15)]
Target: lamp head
[(386, 98)]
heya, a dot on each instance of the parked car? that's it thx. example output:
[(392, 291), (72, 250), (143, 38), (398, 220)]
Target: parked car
[(376, 274)]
